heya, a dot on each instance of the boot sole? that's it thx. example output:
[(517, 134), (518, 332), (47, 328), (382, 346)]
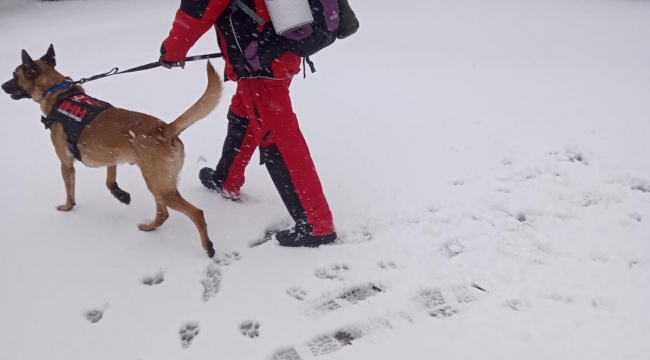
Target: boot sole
[(327, 240), (205, 175)]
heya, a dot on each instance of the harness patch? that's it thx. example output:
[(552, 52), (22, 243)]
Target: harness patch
[(75, 111)]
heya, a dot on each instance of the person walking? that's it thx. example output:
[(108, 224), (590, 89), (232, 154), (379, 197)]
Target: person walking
[(260, 114)]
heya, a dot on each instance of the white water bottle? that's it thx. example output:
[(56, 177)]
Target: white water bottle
[(289, 15)]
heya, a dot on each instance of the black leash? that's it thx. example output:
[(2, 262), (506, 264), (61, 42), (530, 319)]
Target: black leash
[(116, 71)]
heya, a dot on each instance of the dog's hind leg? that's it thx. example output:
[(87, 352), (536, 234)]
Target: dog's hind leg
[(68, 173), (111, 183), (175, 201), (67, 165), (161, 216)]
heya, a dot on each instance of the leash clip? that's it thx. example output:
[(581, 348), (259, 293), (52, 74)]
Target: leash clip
[(85, 80)]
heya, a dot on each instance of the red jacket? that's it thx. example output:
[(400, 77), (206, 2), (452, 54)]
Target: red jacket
[(196, 17)]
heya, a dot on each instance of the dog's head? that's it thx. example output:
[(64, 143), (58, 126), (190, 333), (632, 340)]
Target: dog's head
[(32, 78)]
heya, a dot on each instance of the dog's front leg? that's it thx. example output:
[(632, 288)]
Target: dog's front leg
[(59, 140)]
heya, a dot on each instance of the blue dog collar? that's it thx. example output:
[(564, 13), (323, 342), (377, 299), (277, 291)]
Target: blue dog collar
[(61, 86)]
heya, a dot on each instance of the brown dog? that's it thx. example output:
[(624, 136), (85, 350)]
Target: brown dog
[(118, 136)]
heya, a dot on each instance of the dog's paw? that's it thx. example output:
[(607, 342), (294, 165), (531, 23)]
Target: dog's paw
[(66, 207), (210, 250), (147, 227), (123, 196)]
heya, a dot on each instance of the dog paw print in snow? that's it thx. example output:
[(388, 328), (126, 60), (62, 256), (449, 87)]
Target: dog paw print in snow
[(599, 257), (561, 298), (387, 265), (335, 272), (446, 302), (602, 303), (187, 334), (634, 263), (517, 305), (94, 315), (458, 182), (453, 248), (156, 279), (297, 293), (443, 312), (643, 187), (250, 329), (226, 259), (576, 157)]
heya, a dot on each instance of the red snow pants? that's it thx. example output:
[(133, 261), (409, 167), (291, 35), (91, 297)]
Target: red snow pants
[(261, 116)]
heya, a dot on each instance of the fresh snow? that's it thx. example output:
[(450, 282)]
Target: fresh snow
[(464, 145)]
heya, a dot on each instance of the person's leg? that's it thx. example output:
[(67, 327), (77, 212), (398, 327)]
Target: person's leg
[(238, 148), (287, 158)]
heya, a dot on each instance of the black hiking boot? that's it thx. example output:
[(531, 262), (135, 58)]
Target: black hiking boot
[(300, 236), (206, 175)]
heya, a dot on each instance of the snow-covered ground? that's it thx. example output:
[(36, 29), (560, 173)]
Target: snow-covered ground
[(487, 163)]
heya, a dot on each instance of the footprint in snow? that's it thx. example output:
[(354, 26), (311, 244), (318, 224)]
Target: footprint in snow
[(329, 342), (351, 296), (453, 248), (566, 299), (211, 283), (642, 187), (387, 264), (335, 272), (602, 303), (517, 305), (443, 312), (94, 315), (446, 302), (226, 259), (576, 156), (356, 294), (156, 279), (250, 329), (286, 354), (599, 257), (187, 334), (297, 293)]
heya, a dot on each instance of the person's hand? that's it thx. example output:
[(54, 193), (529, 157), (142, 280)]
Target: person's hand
[(169, 65)]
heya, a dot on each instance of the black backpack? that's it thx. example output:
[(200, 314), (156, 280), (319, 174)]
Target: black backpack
[(333, 19)]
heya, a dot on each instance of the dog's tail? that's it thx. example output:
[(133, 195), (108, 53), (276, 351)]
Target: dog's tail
[(200, 109)]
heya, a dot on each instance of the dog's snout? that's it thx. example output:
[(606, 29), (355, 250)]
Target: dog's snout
[(12, 88), (9, 87)]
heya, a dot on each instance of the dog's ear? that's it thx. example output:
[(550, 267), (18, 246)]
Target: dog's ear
[(29, 66), (49, 57)]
